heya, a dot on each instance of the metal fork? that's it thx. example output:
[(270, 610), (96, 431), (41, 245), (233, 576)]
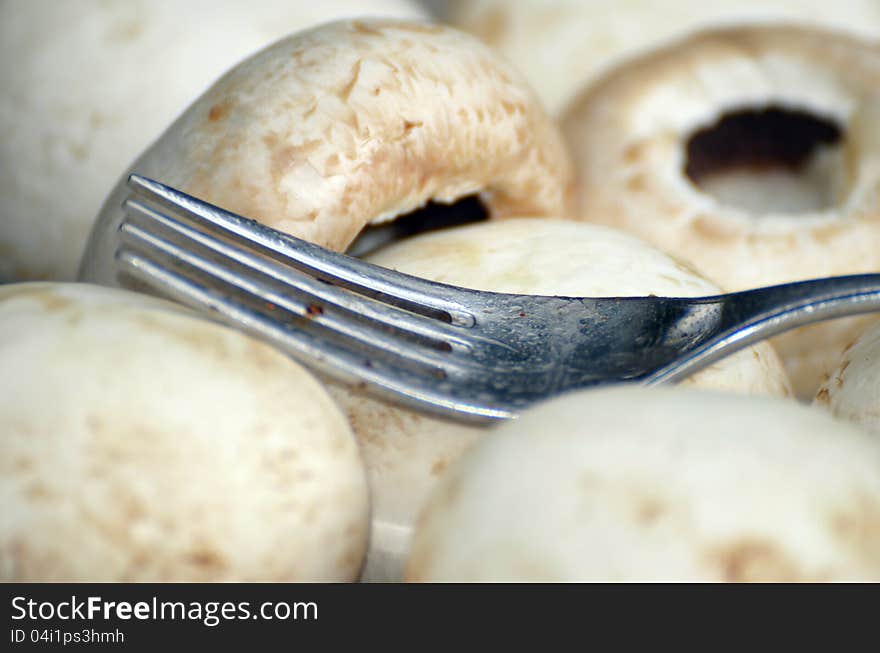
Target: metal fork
[(452, 352)]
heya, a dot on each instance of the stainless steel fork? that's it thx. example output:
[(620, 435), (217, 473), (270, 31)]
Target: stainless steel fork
[(449, 351)]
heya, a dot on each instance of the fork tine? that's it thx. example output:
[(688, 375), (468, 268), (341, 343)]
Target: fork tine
[(440, 334), (421, 390), (405, 291), (147, 245)]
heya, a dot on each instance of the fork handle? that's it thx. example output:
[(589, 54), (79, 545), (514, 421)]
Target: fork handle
[(750, 316), (775, 309)]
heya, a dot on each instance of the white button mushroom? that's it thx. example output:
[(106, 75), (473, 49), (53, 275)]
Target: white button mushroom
[(753, 153), (407, 453), (88, 84), (356, 123), (658, 484), (852, 391), (140, 443)]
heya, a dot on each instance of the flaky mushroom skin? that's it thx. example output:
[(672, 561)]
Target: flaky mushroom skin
[(852, 392), (140, 443), (547, 256), (356, 122), (628, 134), (658, 484), (89, 84)]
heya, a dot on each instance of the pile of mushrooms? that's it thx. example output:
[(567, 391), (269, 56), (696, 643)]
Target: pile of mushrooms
[(140, 441)]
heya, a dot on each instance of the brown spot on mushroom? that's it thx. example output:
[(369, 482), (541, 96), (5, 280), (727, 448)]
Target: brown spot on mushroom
[(754, 560), (711, 229), (510, 108), (271, 140), (491, 24), (856, 525), (132, 508), (50, 300), (332, 163), (409, 125), (77, 151), (439, 467), (313, 310), (37, 491), (23, 464), (633, 153), (650, 510), (97, 119), (364, 28), (125, 31), (207, 559), (826, 234), (823, 396), (636, 183), (217, 112)]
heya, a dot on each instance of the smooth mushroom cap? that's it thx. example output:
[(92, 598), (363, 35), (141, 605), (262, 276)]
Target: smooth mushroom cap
[(630, 133), (88, 84), (140, 443), (357, 122), (852, 392), (407, 453), (562, 46), (657, 484)]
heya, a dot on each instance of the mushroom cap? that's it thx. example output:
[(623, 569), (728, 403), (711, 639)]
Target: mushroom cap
[(140, 443), (852, 392), (563, 45), (88, 84), (356, 122), (629, 134), (657, 484), (524, 255)]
